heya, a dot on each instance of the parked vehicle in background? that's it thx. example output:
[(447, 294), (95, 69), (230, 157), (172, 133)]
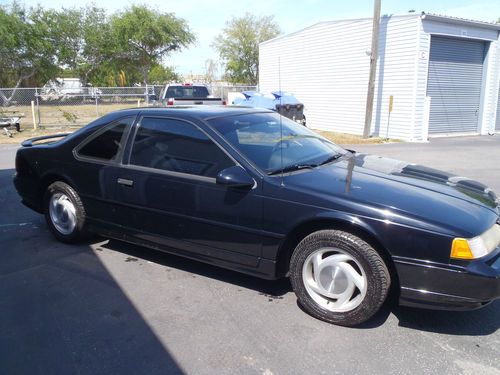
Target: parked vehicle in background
[(9, 120), (285, 103), (188, 94), (63, 88), (252, 191)]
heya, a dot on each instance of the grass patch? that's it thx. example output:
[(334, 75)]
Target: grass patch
[(66, 114), (352, 139), (58, 119)]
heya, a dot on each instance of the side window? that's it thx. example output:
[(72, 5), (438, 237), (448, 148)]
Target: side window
[(107, 145), (177, 146)]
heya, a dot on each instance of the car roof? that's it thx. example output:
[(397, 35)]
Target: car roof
[(199, 112)]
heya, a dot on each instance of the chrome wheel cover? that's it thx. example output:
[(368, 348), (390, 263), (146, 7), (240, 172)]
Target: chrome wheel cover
[(334, 279), (62, 213)]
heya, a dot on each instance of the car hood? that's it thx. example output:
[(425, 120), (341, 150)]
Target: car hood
[(401, 191)]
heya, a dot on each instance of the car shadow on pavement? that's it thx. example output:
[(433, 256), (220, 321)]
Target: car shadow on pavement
[(482, 322), (267, 288), (61, 311)]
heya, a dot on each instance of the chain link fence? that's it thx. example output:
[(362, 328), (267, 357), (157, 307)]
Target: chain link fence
[(47, 107)]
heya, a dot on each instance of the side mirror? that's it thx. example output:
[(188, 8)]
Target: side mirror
[(235, 177)]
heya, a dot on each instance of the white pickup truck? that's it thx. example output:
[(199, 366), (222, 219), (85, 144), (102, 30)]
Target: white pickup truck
[(188, 94)]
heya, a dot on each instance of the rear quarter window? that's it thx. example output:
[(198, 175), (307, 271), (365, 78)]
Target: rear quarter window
[(108, 143)]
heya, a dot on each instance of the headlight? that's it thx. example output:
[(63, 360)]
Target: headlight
[(476, 247)]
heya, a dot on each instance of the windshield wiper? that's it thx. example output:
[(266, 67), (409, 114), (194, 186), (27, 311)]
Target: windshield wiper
[(298, 166), (291, 168), (331, 158)]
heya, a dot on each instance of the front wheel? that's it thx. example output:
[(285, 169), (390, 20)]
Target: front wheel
[(338, 277), (64, 213)]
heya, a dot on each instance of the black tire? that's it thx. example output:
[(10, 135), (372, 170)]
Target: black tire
[(366, 261), (79, 232)]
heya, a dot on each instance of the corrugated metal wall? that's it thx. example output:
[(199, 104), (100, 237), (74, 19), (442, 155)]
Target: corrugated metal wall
[(491, 75), (497, 123), (455, 84), (397, 65), (326, 66), (421, 129)]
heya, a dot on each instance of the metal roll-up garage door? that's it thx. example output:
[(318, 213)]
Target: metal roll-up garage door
[(454, 84)]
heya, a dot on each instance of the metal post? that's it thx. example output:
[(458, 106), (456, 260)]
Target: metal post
[(391, 103), (373, 69), (37, 106), (33, 114)]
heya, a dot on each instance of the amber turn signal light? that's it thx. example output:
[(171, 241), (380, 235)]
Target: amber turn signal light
[(460, 249)]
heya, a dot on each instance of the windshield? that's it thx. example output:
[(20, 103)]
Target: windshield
[(275, 144)]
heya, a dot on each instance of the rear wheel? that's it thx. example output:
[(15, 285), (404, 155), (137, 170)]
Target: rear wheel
[(338, 277), (64, 213)]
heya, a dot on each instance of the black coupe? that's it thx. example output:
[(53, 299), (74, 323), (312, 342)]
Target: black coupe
[(252, 191)]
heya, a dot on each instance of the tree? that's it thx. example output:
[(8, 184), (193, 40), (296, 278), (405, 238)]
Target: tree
[(64, 30), (38, 44), (26, 49), (238, 46), (144, 36), (98, 45), (160, 75)]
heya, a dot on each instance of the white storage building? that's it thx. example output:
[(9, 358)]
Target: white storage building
[(442, 72)]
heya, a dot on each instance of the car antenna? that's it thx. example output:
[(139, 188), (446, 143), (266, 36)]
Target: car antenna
[(281, 121)]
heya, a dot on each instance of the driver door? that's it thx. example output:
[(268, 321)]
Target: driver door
[(169, 192)]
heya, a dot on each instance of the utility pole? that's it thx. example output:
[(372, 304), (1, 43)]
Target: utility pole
[(373, 69)]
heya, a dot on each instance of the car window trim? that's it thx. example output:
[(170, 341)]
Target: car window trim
[(127, 164), (186, 176), (119, 156)]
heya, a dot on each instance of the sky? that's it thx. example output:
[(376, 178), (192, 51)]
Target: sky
[(207, 18)]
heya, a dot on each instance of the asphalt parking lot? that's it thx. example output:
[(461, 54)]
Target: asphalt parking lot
[(105, 307)]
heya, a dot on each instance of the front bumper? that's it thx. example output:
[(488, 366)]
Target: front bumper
[(449, 287)]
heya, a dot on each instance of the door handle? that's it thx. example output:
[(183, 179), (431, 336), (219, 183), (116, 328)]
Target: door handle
[(124, 181)]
